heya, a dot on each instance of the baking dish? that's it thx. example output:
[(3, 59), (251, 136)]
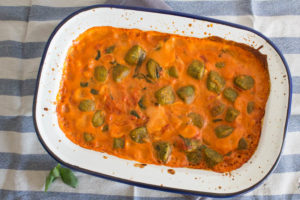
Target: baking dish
[(190, 181)]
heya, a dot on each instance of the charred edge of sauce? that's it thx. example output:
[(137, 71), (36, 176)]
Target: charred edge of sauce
[(257, 54)]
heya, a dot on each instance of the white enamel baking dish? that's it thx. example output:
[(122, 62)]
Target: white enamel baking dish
[(190, 181)]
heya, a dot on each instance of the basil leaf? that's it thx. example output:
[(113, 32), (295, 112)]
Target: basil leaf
[(49, 180), (158, 69), (84, 84), (139, 64), (68, 177), (98, 55), (141, 103), (139, 76), (158, 47), (134, 113), (143, 76), (112, 98), (94, 92), (220, 64), (53, 174), (148, 79), (105, 128), (110, 49)]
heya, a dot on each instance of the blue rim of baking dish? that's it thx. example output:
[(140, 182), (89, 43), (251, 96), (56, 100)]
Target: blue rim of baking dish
[(145, 185)]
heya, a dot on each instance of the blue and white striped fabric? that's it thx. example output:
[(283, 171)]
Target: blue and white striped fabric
[(25, 25)]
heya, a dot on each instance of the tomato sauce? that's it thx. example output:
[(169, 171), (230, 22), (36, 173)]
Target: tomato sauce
[(124, 92)]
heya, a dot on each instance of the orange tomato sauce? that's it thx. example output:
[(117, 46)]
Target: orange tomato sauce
[(169, 123)]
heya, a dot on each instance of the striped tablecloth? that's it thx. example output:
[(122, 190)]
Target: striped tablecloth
[(25, 25)]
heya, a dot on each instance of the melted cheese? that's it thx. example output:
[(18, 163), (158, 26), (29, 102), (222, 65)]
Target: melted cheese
[(163, 122)]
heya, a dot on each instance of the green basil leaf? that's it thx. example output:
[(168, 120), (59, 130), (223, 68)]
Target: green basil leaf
[(94, 91), (134, 113), (112, 98), (98, 55), (148, 79), (68, 177), (84, 84), (158, 47), (53, 174), (217, 120), (105, 128), (49, 180), (110, 49), (142, 76), (141, 103)]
